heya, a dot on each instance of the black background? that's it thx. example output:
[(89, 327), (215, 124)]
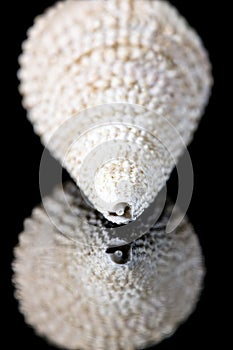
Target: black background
[(203, 327)]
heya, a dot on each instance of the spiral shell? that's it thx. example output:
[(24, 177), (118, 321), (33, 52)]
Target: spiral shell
[(82, 54), (82, 292)]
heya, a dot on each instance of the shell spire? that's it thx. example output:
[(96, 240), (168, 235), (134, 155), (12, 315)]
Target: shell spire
[(119, 79)]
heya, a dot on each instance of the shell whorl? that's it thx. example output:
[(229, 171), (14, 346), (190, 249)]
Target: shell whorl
[(81, 55), (78, 290)]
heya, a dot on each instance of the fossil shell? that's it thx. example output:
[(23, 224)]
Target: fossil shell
[(81, 292), (81, 54)]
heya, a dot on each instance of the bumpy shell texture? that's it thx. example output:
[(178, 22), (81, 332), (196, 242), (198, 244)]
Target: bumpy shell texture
[(81, 292), (81, 54)]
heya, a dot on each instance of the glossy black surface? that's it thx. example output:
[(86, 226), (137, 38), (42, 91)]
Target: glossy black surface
[(202, 328)]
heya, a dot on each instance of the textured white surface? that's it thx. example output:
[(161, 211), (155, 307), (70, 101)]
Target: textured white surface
[(81, 54), (74, 293)]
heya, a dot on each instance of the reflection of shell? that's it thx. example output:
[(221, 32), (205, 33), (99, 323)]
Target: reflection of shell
[(82, 54), (80, 293)]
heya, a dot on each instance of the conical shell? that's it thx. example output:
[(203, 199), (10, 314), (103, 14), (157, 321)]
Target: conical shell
[(81, 292), (83, 54)]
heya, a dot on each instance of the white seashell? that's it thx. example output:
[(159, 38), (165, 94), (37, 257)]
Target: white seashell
[(81, 292), (83, 54)]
